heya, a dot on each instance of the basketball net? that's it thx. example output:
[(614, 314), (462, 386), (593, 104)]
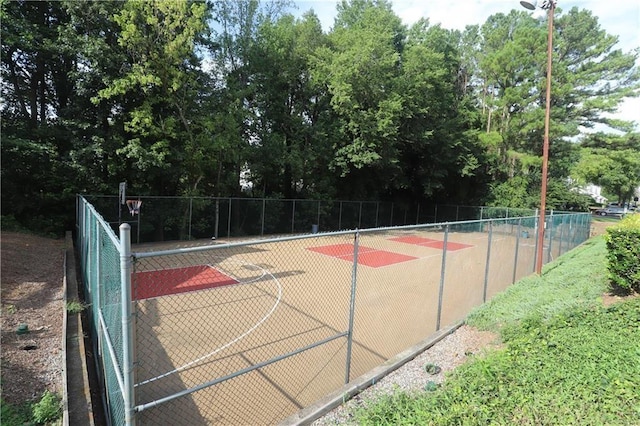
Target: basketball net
[(134, 206)]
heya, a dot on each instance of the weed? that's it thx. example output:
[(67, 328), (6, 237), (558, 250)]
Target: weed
[(9, 309), (48, 408), (75, 307)]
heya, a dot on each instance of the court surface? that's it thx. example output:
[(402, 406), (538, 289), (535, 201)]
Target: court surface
[(206, 315)]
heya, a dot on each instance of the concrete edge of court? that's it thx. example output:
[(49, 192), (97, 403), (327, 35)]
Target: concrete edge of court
[(77, 405), (323, 406)]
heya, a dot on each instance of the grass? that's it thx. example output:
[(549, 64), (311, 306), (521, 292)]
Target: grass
[(46, 411), (566, 358)]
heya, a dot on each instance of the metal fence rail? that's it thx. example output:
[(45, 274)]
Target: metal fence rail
[(192, 218), (251, 332)]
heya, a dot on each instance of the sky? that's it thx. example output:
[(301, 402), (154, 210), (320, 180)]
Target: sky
[(617, 17)]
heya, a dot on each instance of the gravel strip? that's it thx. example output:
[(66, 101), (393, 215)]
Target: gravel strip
[(447, 354)]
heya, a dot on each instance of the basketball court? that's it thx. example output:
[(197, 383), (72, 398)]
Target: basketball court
[(205, 316)]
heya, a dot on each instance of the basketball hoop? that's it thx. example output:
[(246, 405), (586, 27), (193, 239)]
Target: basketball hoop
[(134, 206)]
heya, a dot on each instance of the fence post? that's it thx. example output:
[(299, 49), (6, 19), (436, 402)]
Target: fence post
[(488, 262), (561, 237), (515, 261), (418, 215), (127, 335), (190, 216), (264, 202), (442, 273), (550, 233), (352, 304), (535, 229), (391, 220), (340, 218), (435, 214), (293, 217), (571, 232), (138, 228), (360, 216), (229, 220), (318, 222), (377, 210), (95, 284), (217, 219)]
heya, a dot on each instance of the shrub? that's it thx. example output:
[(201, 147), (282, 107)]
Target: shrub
[(623, 255), (47, 409)]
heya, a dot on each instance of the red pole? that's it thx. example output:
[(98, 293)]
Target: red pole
[(545, 148)]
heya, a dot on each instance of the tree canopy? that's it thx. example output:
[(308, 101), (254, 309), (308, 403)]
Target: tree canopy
[(244, 98)]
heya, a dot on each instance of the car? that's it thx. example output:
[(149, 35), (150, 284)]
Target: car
[(612, 211)]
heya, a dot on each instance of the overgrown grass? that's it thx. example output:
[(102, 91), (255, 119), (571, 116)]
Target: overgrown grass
[(46, 411), (566, 358), (576, 279)]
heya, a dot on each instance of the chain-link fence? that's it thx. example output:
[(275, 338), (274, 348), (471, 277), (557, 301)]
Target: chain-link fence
[(102, 276), (192, 218), (251, 332)]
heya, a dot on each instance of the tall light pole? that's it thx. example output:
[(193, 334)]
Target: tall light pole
[(550, 6)]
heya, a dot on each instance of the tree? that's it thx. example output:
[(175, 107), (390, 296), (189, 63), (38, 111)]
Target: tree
[(168, 136), (38, 98), (235, 27), (439, 153), (589, 79), (288, 150), (360, 70), (612, 162)]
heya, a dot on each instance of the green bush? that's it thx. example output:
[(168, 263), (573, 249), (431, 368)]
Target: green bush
[(623, 255), (47, 409)]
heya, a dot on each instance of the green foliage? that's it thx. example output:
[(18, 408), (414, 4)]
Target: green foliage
[(360, 71), (180, 98), (48, 409), (573, 362), (611, 162), (75, 306), (623, 254), (514, 193), (576, 279), (507, 56), (13, 416), (9, 309), (10, 223)]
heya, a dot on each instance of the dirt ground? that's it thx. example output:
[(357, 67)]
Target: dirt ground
[(600, 227), (32, 294)]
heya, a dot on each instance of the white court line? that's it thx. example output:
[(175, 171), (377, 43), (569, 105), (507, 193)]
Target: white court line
[(226, 345)]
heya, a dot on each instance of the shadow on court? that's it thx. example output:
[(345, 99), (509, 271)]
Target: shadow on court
[(151, 358)]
